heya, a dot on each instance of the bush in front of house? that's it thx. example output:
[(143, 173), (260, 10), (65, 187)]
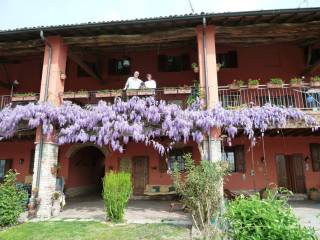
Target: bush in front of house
[(12, 200), (200, 187), (269, 219), (117, 189)]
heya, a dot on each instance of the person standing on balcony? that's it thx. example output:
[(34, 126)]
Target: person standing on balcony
[(150, 83), (133, 82)]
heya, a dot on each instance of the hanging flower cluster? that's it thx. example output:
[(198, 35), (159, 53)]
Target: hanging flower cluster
[(143, 120)]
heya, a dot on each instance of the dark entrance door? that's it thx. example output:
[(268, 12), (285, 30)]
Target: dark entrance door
[(290, 172), (140, 174)]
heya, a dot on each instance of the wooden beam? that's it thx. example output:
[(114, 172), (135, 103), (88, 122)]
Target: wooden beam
[(78, 60)]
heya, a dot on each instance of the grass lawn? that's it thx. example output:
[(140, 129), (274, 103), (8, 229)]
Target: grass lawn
[(92, 231)]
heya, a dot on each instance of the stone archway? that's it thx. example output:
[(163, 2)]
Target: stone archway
[(86, 169)]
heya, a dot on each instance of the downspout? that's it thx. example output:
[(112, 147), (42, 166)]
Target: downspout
[(205, 60), (45, 100)]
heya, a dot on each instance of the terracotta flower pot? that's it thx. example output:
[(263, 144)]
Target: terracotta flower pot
[(185, 90), (315, 84), (271, 85), (314, 195), (253, 86), (234, 87), (296, 85), (23, 98)]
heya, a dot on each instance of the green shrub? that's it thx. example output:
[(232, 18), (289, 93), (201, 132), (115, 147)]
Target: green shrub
[(117, 189), (200, 187), (12, 200), (276, 81), (269, 219)]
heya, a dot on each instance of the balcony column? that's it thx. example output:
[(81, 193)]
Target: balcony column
[(46, 155), (211, 146)]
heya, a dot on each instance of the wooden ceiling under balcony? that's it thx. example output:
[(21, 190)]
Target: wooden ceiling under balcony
[(301, 26)]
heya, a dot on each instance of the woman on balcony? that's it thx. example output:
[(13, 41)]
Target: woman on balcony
[(133, 82)]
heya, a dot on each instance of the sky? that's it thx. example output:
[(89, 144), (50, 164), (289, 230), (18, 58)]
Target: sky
[(33, 13)]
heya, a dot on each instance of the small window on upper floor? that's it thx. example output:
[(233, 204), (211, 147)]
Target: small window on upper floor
[(83, 73), (174, 63), (119, 66), (228, 60)]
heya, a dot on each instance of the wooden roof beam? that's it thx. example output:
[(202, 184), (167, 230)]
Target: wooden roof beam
[(78, 60)]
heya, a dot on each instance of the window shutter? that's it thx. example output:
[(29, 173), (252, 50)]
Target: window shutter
[(112, 67), (315, 156), (8, 165), (240, 161), (31, 162), (162, 63), (185, 62)]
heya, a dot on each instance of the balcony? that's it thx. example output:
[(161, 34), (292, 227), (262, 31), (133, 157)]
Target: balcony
[(304, 98)]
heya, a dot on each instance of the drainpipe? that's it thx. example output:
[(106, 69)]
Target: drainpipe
[(45, 100), (204, 43)]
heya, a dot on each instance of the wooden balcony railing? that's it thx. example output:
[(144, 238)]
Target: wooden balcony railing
[(304, 97)]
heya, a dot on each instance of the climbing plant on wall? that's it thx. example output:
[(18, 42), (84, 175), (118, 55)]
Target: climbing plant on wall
[(143, 120)]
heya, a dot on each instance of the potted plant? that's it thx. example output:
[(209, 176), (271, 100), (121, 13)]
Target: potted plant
[(21, 97), (253, 83), (184, 90), (236, 84), (195, 67), (56, 204), (170, 90), (116, 93), (314, 194), (296, 82), (315, 81), (79, 94), (54, 169), (219, 65), (275, 83)]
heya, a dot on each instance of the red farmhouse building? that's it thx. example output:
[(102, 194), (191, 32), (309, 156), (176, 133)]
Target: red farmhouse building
[(76, 62)]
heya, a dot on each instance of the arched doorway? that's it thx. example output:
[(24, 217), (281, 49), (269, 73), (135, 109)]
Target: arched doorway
[(86, 170)]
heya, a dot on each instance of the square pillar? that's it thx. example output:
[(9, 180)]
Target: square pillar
[(46, 154)]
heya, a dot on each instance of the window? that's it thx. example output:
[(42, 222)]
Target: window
[(119, 66), (235, 157), (228, 60), (173, 63), (92, 65), (315, 156), (176, 157)]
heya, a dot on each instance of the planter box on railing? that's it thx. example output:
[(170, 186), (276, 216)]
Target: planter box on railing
[(24, 98), (253, 86), (296, 85), (140, 92), (234, 87), (74, 95), (170, 90), (184, 90), (111, 93)]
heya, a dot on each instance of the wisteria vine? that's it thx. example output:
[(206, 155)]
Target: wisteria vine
[(143, 120)]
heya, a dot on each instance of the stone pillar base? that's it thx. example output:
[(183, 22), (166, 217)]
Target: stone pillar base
[(47, 180)]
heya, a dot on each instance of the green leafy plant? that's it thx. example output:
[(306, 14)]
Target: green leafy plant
[(253, 82), (117, 189), (238, 82), (28, 94), (313, 189), (12, 200), (270, 219), (195, 93), (276, 81), (315, 79), (296, 80), (200, 188)]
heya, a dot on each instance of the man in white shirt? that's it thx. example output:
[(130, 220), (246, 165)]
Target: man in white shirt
[(150, 83), (133, 82)]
